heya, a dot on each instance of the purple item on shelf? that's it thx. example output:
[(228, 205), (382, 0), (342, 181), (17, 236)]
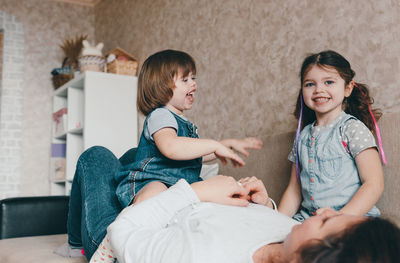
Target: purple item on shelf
[(58, 150)]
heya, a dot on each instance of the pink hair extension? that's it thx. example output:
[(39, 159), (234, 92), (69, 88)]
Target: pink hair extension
[(378, 133)]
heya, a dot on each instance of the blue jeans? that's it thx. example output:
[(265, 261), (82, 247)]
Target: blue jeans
[(93, 203)]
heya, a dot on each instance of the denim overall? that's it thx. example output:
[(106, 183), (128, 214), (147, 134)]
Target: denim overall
[(150, 165), (329, 175)]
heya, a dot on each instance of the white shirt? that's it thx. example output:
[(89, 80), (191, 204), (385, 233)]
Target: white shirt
[(175, 226)]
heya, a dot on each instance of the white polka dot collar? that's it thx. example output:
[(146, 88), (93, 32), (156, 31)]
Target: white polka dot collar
[(315, 130)]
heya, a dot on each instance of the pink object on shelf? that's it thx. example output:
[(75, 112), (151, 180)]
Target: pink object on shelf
[(60, 122), (58, 114)]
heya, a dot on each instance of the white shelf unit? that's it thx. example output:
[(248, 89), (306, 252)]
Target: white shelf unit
[(101, 110)]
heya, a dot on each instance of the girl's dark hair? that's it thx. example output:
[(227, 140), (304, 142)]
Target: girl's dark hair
[(156, 78), (356, 104), (373, 240)]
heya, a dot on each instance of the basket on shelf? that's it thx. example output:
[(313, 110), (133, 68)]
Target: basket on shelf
[(121, 62), (61, 76), (60, 79), (92, 63), (122, 67)]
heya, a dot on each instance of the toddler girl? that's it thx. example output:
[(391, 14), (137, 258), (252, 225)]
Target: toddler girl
[(338, 165), (169, 148)]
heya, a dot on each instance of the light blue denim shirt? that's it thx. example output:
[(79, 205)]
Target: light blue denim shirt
[(329, 175)]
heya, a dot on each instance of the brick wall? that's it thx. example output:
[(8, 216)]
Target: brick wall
[(11, 100), (1, 58)]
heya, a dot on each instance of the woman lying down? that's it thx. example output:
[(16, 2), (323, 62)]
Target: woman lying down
[(218, 220)]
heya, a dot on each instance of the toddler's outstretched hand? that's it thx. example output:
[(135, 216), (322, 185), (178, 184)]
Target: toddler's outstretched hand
[(224, 153), (240, 145)]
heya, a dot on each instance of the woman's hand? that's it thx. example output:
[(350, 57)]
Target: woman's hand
[(257, 192), (240, 145), (222, 190)]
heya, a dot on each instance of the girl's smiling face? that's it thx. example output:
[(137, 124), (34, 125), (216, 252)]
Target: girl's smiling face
[(323, 92), (183, 97)]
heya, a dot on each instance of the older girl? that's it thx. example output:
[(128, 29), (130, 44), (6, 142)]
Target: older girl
[(338, 165)]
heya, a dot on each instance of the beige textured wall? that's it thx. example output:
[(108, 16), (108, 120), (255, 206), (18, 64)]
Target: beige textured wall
[(46, 24), (248, 55), (249, 52)]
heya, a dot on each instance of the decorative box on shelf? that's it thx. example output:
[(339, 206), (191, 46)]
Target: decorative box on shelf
[(121, 62)]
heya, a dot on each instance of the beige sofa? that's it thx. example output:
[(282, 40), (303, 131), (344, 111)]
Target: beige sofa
[(270, 164)]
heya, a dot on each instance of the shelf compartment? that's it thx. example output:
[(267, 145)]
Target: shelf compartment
[(58, 161), (59, 102), (60, 123)]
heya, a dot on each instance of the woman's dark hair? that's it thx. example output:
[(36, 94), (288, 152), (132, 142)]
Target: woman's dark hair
[(356, 104), (156, 78), (373, 240)]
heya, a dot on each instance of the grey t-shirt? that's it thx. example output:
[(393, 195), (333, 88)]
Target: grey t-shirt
[(357, 136), (159, 118)]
